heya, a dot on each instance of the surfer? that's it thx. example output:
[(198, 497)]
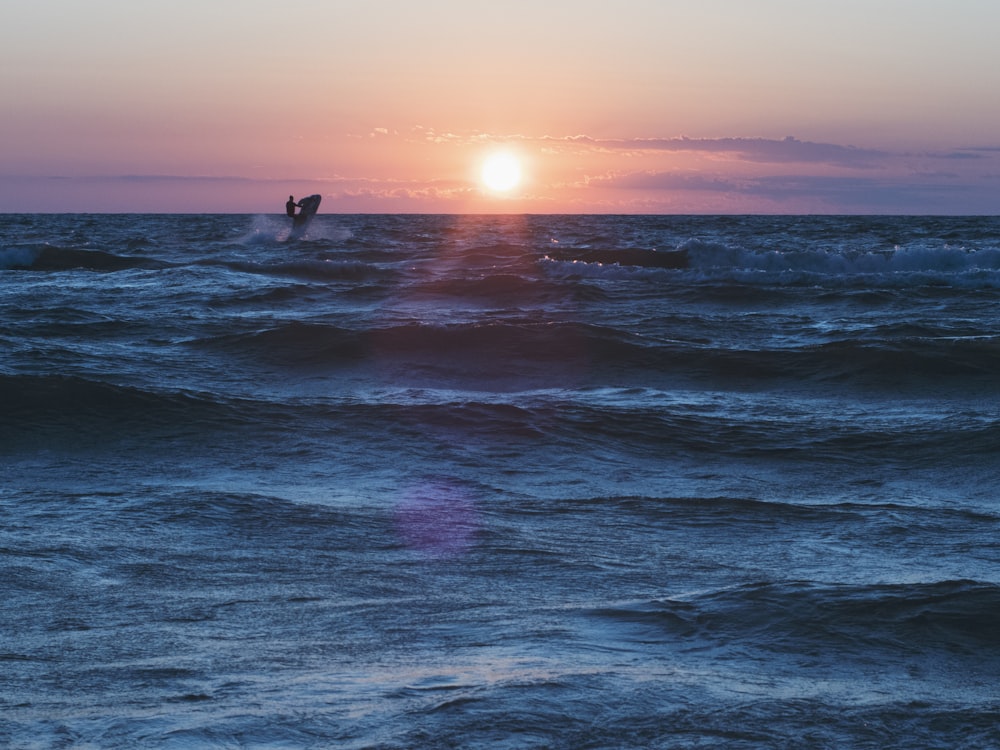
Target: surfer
[(291, 205)]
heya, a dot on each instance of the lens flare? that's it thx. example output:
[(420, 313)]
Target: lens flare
[(436, 519)]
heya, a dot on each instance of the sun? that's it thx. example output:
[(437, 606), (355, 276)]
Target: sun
[(501, 172)]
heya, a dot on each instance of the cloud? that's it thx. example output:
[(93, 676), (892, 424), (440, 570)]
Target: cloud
[(171, 178), (887, 195), (787, 150), (928, 193), (664, 181), (762, 150), (961, 155)]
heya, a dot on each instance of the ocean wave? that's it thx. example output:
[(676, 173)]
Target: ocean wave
[(899, 266), (26, 395), (844, 267), (720, 511), (49, 258), (500, 288), (40, 406), (292, 342), (792, 617), (522, 346), (883, 364), (489, 350), (641, 257), (18, 257), (308, 269)]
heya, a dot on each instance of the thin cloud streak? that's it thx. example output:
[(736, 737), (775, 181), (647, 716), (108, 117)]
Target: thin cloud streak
[(759, 150), (819, 193)]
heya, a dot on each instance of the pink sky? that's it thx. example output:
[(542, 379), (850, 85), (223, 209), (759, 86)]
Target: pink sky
[(639, 106)]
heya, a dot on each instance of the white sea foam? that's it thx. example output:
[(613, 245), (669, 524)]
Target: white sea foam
[(899, 266), (269, 228), (266, 229)]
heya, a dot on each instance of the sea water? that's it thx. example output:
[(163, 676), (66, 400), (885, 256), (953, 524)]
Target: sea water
[(499, 481)]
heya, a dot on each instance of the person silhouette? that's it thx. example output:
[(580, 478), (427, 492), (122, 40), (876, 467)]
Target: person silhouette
[(290, 206)]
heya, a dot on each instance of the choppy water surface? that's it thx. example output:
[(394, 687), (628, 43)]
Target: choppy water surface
[(512, 482)]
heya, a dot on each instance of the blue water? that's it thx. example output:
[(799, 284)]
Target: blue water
[(505, 482)]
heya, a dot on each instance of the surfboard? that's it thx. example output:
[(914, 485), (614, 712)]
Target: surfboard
[(304, 216)]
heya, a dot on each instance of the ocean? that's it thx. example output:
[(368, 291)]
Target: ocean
[(499, 482)]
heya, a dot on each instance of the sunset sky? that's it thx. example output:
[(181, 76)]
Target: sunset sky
[(631, 106)]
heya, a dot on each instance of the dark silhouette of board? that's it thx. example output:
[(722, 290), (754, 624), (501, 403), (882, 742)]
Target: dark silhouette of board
[(309, 206)]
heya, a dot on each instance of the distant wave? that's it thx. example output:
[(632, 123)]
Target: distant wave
[(49, 258), (712, 261)]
